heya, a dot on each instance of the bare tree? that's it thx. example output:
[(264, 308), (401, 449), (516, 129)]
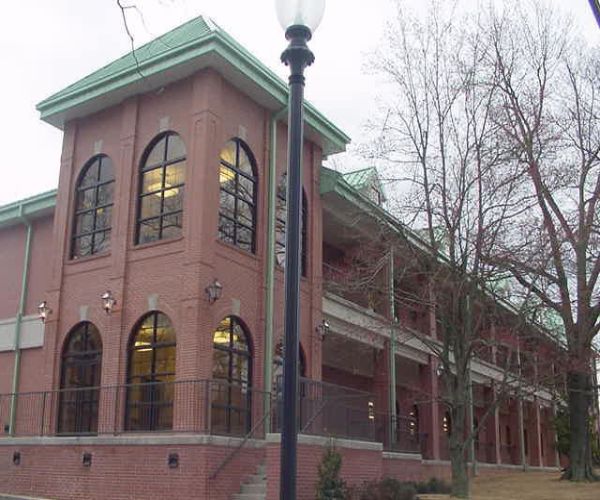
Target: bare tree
[(548, 116), (440, 139)]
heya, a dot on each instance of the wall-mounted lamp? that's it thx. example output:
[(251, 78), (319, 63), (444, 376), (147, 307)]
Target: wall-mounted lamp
[(86, 459), (213, 291), (44, 311), (322, 329), (439, 370), (108, 301), (17, 458), (173, 460), (371, 410)]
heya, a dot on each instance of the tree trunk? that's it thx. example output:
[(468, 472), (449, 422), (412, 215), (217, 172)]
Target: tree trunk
[(458, 461), (580, 454)]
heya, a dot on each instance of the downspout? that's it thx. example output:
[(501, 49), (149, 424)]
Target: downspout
[(18, 323), (270, 266), (392, 352)]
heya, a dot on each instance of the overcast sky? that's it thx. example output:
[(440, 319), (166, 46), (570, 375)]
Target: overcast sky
[(47, 45)]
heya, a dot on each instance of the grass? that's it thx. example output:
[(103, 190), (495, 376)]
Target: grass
[(527, 486)]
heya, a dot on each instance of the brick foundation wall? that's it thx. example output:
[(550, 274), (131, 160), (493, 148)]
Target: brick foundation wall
[(124, 471)]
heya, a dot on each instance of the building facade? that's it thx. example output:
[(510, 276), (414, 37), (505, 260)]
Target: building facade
[(158, 267)]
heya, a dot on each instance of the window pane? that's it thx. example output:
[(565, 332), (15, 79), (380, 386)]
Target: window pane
[(172, 225), (150, 206), (246, 188), (244, 163), (175, 174), (149, 230), (141, 361), (228, 153), (102, 241), (165, 333), (152, 180), (244, 238), (227, 204), (175, 147), (91, 175), (157, 155), (220, 364), (173, 201), (105, 194), (165, 360), (85, 223), (226, 229), (106, 170), (227, 178), (103, 217), (86, 199), (83, 246), (245, 215)]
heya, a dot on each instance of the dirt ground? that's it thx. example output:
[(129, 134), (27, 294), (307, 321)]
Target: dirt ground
[(527, 486)]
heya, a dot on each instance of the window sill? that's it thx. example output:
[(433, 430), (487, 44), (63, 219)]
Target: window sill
[(87, 258), (145, 250), (238, 250)]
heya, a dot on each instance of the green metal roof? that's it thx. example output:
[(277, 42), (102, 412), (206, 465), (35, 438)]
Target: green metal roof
[(197, 44), (359, 178), (31, 207)]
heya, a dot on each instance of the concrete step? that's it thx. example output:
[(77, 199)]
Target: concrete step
[(250, 496), (256, 479), (254, 488)]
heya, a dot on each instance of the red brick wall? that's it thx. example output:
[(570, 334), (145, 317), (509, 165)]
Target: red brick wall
[(357, 466), (124, 472)]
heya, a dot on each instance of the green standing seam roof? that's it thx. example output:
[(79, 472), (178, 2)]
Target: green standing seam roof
[(183, 45), (33, 206), (359, 178)]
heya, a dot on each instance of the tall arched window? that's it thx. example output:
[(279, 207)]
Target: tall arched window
[(81, 364), (280, 223), (237, 206), (162, 179), (232, 378), (93, 208), (150, 374)]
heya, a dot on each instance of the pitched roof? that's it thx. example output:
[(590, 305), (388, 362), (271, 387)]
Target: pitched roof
[(27, 208), (197, 44), (359, 178)]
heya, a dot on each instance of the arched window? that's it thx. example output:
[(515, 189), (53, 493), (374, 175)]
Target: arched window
[(162, 179), (237, 206), (232, 378), (280, 222), (93, 208), (150, 375), (81, 365)]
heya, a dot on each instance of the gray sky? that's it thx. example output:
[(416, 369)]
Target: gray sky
[(47, 45)]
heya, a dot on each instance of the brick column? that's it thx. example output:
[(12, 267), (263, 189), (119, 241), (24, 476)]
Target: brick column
[(537, 451), (381, 386), (430, 409)]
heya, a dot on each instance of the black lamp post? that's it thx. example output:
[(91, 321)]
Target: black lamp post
[(299, 18)]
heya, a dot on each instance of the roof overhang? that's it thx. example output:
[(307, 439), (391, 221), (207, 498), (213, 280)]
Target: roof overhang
[(28, 209), (215, 49)]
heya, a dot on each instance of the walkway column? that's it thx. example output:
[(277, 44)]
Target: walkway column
[(392, 350), (521, 426), (431, 415), (538, 433), (556, 453)]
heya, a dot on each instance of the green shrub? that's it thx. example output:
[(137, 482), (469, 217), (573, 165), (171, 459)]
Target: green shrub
[(434, 485), (330, 486)]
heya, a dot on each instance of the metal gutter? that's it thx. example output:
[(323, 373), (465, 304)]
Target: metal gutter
[(19, 321), (270, 270)]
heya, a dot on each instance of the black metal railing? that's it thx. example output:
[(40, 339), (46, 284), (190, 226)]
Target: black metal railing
[(206, 407), (201, 406)]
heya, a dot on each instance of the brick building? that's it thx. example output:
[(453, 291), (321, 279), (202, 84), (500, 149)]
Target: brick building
[(157, 264)]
